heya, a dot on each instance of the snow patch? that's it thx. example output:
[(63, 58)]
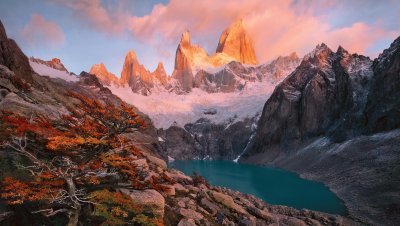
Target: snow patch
[(170, 159), (166, 109), (45, 70)]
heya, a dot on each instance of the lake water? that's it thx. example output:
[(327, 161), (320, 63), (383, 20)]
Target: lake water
[(274, 186)]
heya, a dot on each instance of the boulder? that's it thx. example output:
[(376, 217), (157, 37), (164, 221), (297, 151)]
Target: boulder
[(157, 161), (209, 206), (186, 222), (227, 201), (191, 214), (149, 198)]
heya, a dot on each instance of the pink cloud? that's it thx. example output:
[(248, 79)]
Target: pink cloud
[(112, 21), (42, 32), (276, 27)]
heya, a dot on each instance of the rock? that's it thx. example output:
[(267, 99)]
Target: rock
[(186, 222), (170, 190), (191, 214), (5, 80), (160, 74), (246, 222), (12, 57), (157, 161), (234, 42), (141, 164), (181, 203), (105, 77), (140, 79), (292, 221), (382, 110), (179, 187), (208, 205), (227, 201), (192, 189), (53, 63), (147, 198), (324, 87), (261, 213), (178, 176)]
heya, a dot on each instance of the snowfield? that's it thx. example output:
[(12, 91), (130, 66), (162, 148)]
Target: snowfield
[(166, 109), (45, 70)]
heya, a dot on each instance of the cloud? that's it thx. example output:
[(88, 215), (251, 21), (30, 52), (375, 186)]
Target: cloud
[(42, 33), (276, 27), (112, 19)]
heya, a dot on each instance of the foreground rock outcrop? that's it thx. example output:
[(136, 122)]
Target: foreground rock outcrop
[(12, 57)]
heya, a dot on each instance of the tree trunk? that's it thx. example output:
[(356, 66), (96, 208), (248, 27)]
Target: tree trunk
[(74, 217), (73, 213)]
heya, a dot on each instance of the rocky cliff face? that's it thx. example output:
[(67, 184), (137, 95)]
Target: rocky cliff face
[(192, 60), (382, 111), (12, 57), (105, 77), (235, 76), (134, 75), (317, 95), (321, 122), (183, 64), (235, 43), (206, 140)]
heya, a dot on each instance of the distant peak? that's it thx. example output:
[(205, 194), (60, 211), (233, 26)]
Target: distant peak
[(294, 56), (185, 39), (131, 55), (237, 44), (160, 65), (320, 51), (237, 24), (342, 51)]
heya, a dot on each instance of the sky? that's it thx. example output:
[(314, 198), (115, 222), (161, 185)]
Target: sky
[(84, 32)]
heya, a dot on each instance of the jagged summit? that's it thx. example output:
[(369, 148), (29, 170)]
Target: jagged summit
[(103, 74), (131, 55), (235, 43), (185, 39), (53, 63)]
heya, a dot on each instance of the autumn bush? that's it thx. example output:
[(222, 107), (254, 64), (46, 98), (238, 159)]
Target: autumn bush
[(70, 157)]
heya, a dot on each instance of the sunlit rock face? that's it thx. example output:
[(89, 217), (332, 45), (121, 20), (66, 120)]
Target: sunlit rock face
[(105, 77), (139, 78), (235, 43), (160, 74)]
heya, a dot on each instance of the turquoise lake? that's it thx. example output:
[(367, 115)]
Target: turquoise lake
[(274, 186)]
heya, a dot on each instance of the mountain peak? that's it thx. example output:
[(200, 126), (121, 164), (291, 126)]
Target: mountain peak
[(131, 55), (185, 39), (321, 51), (294, 56), (103, 74), (342, 51), (235, 43), (53, 63), (160, 66)]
